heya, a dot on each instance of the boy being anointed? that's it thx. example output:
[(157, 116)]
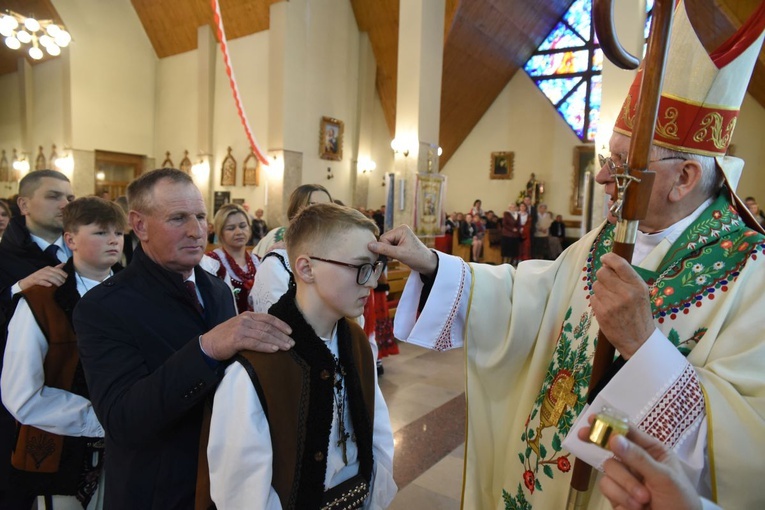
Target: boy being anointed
[(308, 428), (59, 450)]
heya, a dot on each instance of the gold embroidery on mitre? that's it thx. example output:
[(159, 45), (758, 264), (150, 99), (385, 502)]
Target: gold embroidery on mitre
[(712, 128), (628, 121), (669, 128)]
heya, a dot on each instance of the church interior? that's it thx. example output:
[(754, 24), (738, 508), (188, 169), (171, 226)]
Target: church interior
[(369, 98)]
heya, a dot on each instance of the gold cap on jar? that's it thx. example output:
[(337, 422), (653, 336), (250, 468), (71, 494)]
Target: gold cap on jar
[(608, 422)]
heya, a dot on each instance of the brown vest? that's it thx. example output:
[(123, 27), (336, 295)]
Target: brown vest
[(38, 451), (284, 385), (288, 386)]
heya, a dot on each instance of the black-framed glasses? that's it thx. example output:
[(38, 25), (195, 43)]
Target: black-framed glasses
[(364, 271), (613, 166)]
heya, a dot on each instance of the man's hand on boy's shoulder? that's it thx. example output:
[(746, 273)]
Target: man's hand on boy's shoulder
[(248, 331), (46, 277), (401, 244)]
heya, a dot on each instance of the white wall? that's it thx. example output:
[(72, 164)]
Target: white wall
[(332, 68), (48, 116), (382, 155), (521, 120), (748, 139), (112, 76), (10, 122), (176, 108), (249, 59)]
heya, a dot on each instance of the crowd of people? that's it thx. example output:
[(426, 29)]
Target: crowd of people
[(101, 357), (525, 231)]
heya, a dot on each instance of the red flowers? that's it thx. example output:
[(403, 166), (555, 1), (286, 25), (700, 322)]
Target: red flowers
[(563, 464), (528, 480), (725, 245)]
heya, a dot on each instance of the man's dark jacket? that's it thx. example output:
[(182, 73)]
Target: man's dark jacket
[(138, 338)]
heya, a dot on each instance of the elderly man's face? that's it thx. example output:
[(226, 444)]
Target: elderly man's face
[(659, 211), (173, 234)]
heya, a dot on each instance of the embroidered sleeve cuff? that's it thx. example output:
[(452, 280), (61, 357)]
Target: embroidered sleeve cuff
[(668, 403), (441, 324)]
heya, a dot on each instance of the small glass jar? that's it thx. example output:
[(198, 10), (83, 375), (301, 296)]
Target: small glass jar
[(608, 422)]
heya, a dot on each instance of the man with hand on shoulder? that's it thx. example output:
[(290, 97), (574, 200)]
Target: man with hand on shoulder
[(152, 340), (32, 252)]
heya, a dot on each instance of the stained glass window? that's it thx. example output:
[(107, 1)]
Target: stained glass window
[(567, 69)]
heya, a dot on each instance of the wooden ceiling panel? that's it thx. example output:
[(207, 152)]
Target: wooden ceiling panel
[(490, 41), (39, 9), (171, 25)]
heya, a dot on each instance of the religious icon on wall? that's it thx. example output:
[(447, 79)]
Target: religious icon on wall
[(331, 139), (167, 163), (251, 170), (228, 170), (5, 174), (185, 165), (41, 162), (428, 204), (501, 165)]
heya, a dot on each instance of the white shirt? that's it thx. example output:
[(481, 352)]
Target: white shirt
[(241, 458), (23, 380)]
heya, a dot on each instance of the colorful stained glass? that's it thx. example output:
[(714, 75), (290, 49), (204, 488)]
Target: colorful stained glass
[(595, 97), (556, 89), (561, 37), (568, 62), (597, 60), (573, 110), (579, 17), (567, 65)]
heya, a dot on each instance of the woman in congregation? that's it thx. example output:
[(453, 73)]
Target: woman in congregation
[(5, 216), (306, 194), (511, 234), (524, 220), (467, 231), (275, 273), (231, 262)]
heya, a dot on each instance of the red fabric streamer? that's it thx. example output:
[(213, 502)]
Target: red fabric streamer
[(232, 82)]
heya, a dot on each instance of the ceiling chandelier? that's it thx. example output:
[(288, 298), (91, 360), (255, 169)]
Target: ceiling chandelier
[(20, 31)]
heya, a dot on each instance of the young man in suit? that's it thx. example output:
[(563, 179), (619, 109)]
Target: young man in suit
[(152, 340), (32, 252)]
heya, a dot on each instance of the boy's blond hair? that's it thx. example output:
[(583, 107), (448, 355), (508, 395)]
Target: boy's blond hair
[(315, 226)]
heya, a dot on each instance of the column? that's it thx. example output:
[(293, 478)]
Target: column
[(418, 99)]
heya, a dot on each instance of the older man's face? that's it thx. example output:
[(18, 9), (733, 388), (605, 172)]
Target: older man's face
[(658, 216), (173, 234)]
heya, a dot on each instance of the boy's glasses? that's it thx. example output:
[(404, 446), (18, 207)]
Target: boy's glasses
[(364, 271)]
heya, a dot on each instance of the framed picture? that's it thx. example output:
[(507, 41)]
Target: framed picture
[(228, 170), (428, 204), (501, 165), (251, 170), (331, 139), (584, 162)]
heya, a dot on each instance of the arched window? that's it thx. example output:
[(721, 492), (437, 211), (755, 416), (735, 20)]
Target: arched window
[(567, 68)]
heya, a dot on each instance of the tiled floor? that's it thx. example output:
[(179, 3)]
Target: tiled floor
[(424, 391)]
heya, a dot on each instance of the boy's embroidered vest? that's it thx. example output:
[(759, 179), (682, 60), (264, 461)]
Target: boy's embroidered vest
[(54, 463), (298, 396)]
